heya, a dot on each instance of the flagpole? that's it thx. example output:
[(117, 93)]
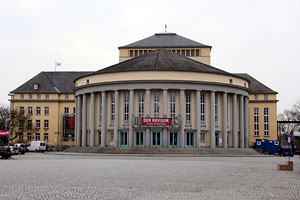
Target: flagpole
[(55, 66)]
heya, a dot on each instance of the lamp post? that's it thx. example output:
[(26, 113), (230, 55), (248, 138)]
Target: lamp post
[(11, 107)]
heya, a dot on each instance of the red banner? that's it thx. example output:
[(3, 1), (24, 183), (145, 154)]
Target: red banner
[(4, 133), (150, 121)]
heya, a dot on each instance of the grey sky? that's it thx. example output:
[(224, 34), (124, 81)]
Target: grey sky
[(258, 37)]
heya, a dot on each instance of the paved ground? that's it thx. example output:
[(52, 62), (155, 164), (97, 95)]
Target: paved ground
[(77, 176)]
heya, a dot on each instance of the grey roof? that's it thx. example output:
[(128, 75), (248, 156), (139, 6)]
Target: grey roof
[(51, 82), (162, 60), (255, 86), (165, 40)]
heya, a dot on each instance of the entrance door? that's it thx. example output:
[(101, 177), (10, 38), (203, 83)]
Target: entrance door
[(99, 138), (173, 139), (189, 139), (123, 138), (139, 139), (217, 139), (156, 139)]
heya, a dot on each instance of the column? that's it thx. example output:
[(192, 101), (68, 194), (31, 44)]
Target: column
[(78, 121), (165, 112), (224, 120), (147, 113), (212, 120), (92, 120), (234, 122), (182, 117), (84, 121), (103, 122), (242, 131), (247, 133), (116, 123), (131, 113), (198, 120)]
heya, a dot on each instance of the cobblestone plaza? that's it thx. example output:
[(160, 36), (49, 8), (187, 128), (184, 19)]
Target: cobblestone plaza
[(96, 176)]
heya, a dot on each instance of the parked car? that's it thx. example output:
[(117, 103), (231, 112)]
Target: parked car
[(5, 152), (21, 147), (13, 150), (37, 146)]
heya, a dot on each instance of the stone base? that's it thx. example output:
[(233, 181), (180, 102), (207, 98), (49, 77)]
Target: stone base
[(288, 166)]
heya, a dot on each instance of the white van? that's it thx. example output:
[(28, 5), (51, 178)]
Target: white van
[(37, 146)]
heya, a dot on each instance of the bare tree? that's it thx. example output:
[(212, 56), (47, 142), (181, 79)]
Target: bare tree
[(4, 117), (290, 115)]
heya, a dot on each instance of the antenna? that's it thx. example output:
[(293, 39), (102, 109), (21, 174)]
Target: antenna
[(165, 27)]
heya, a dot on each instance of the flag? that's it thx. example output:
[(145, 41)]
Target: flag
[(57, 64)]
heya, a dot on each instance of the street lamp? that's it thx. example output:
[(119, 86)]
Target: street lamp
[(11, 107)]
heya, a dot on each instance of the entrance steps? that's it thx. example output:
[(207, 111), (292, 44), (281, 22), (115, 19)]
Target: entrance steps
[(147, 150)]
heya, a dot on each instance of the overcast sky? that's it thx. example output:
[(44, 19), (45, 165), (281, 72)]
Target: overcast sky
[(258, 37)]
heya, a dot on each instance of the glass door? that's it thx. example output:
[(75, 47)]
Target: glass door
[(123, 138), (217, 139), (139, 139), (173, 139), (189, 139), (156, 139), (99, 138)]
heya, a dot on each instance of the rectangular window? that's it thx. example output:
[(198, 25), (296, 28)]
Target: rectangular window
[(130, 53), (256, 122), (38, 110), (112, 108), (172, 105), (265, 97), (29, 123), (30, 96), (256, 97), (197, 52), (22, 110), (202, 136), (140, 52), (38, 123), (30, 110), (37, 137), (202, 108), (188, 52), (46, 123), (38, 96), (216, 109), (111, 136), (21, 136), (156, 104), (29, 136), (136, 53), (67, 96), (66, 110), (141, 104), (46, 110), (266, 121), (46, 137), (46, 96), (126, 108), (188, 108), (21, 124), (183, 52), (100, 109), (22, 96), (145, 51), (178, 51), (192, 52)]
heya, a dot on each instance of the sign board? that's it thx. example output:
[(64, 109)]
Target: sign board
[(150, 121), (4, 133), (69, 127)]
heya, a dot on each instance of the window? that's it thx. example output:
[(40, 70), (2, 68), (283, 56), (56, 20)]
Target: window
[(265, 97), (46, 123), (197, 52), (35, 86), (136, 53), (131, 53), (46, 96), (111, 136), (67, 96), (183, 52), (202, 136), (188, 52), (22, 96), (216, 109), (46, 137), (126, 107), (74, 109), (21, 124), (192, 52), (22, 110), (256, 122), (156, 104), (256, 97), (178, 52), (112, 108), (172, 104), (29, 123), (140, 52), (29, 136), (266, 121), (87, 81), (37, 136), (145, 51), (30, 96), (38, 110), (202, 108), (38, 96), (66, 110), (188, 108), (38, 123), (100, 109), (46, 110), (230, 81), (30, 110), (141, 104), (21, 136)]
